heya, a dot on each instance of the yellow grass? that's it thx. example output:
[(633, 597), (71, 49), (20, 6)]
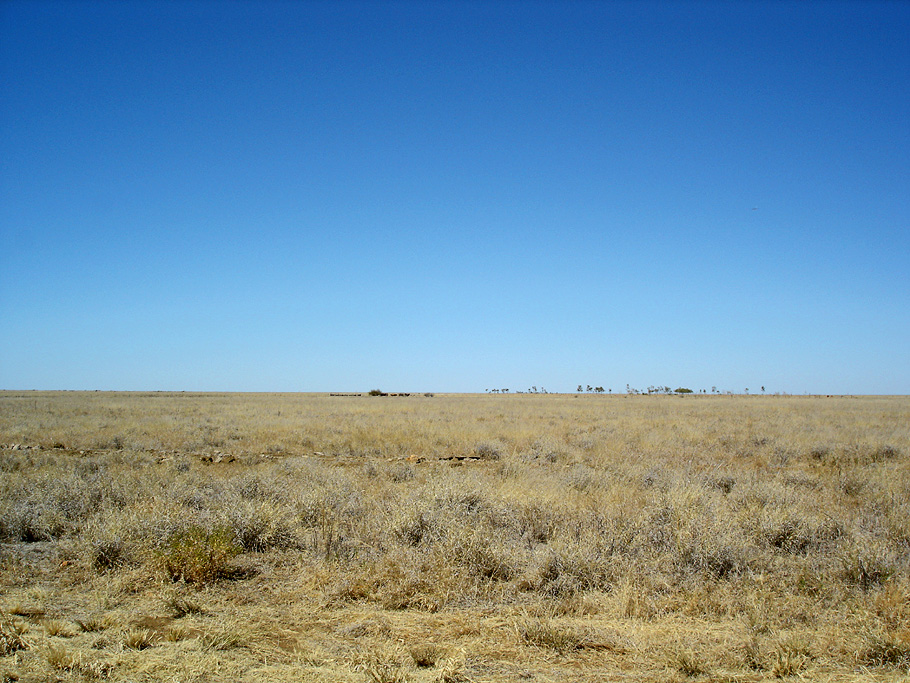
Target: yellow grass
[(266, 537)]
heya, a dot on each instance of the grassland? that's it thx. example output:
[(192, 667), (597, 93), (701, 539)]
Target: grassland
[(191, 537)]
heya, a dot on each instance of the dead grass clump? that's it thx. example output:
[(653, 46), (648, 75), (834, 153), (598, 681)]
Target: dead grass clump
[(892, 604), (94, 624), (568, 571), (76, 662), (12, 635), (108, 553), (887, 649), (401, 580), (797, 535), (139, 639), (177, 633), (383, 665), (416, 525), (225, 638), (687, 662), (181, 605), (375, 627), (883, 453), (752, 655), (400, 473), (30, 522), (791, 657), (58, 628), (490, 450), (819, 453), (452, 670), (548, 633), (481, 556), (426, 655), (867, 564), (724, 484)]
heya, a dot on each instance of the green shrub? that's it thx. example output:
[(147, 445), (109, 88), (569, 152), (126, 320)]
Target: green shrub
[(198, 555)]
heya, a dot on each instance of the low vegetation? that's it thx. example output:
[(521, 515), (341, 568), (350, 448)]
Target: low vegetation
[(193, 537)]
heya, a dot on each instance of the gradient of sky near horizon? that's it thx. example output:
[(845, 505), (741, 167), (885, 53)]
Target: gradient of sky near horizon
[(455, 196)]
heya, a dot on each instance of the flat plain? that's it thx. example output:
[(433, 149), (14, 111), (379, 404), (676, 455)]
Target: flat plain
[(301, 537)]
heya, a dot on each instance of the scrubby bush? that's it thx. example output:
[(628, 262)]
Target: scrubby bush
[(262, 526), (199, 555)]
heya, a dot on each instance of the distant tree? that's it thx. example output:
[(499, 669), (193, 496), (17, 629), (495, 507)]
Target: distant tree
[(375, 392), (580, 389), (713, 390), (505, 391), (763, 389), (683, 390), (599, 390)]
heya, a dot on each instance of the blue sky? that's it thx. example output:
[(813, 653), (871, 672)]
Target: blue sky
[(455, 196)]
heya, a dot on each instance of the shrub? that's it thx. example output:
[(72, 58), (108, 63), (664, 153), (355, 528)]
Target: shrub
[(262, 526), (198, 555), (481, 558), (489, 450), (108, 553)]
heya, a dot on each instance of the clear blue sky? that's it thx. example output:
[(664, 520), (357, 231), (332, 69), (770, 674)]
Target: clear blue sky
[(455, 196)]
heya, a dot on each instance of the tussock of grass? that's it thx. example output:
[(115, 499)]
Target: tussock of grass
[(94, 624), (688, 663), (886, 648), (181, 605), (383, 665), (58, 628), (549, 633), (792, 656), (426, 654), (139, 639), (12, 635)]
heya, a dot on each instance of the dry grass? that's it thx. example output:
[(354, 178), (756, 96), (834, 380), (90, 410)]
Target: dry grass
[(454, 538)]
